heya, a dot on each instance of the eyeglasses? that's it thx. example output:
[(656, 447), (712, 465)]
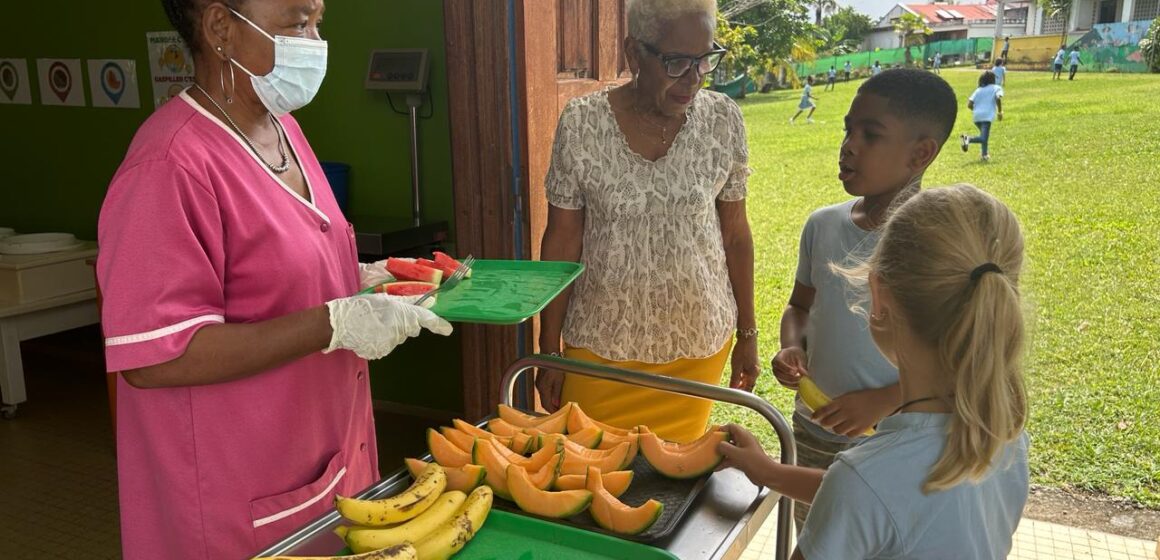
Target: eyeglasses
[(677, 65)]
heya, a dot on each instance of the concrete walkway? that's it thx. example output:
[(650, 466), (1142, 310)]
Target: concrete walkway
[(1034, 540)]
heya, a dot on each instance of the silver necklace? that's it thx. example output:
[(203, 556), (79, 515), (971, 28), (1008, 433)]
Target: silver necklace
[(280, 168)]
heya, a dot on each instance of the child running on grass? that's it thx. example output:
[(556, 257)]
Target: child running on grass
[(831, 77), (806, 102), (1000, 71), (987, 105), (946, 474), (896, 126)]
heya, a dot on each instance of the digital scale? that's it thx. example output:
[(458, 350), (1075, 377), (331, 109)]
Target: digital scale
[(402, 71)]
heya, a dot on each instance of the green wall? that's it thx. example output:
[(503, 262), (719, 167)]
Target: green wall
[(56, 162)]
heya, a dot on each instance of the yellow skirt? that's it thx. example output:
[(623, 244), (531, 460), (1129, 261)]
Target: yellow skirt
[(671, 416)]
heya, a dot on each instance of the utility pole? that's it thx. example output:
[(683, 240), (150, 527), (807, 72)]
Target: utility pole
[(1000, 16)]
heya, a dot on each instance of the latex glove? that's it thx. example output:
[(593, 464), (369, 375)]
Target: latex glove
[(374, 324), (373, 274)]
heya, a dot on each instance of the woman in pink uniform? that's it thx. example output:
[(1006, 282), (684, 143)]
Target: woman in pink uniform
[(226, 266)]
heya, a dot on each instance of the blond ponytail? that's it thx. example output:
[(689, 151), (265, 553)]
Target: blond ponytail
[(929, 258)]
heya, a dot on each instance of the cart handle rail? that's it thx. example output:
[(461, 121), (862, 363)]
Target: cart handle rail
[(682, 387)]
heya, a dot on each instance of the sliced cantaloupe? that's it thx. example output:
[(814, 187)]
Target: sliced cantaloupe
[(710, 437), (588, 437), (502, 427), (463, 479), (445, 452), (554, 423), (577, 461), (554, 441), (616, 516), (460, 439), (578, 420), (615, 482), (487, 456), (537, 460), (545, 477), (521, 443), (475, 431), (610, 441), (561, 504), (506, 453), (695, 462)]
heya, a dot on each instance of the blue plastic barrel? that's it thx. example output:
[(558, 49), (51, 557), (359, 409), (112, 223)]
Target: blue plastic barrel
[(338, 175)]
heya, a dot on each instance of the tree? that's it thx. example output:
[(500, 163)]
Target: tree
[(844, 31), (1058, 8), (783, 34), (1150, 46), (912, 30), (823, 7)]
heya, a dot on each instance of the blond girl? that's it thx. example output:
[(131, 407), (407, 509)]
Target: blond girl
[(946, 475)]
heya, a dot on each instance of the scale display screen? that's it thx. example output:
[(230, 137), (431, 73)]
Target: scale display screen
[(401, 70)]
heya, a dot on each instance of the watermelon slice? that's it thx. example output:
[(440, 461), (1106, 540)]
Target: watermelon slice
[(446, 270), (405, 288), (413, 271), (447, 263)]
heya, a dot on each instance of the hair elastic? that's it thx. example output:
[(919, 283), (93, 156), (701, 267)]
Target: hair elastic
[(984, 268)]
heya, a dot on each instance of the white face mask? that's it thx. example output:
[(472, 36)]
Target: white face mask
[(299, 67)]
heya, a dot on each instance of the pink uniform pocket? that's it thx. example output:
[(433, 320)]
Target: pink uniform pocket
[(275, 517)]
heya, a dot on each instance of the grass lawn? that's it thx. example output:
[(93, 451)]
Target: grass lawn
[(1079, 163)]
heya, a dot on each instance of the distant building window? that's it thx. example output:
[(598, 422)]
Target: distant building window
[(1105, 11), (1146, 9)]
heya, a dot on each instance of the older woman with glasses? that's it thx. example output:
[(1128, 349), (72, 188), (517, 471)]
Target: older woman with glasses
[(647, 188)]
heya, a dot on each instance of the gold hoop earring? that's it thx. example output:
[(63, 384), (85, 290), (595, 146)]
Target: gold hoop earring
[(233, 85)]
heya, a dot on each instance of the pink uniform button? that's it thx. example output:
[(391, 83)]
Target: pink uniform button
[(325, 227), (359, 376), (362, 447)]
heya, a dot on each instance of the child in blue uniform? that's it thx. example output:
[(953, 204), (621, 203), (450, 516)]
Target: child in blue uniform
[(987, 106), (806, 102)]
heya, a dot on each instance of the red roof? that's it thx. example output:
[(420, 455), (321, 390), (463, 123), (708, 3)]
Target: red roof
[(938, 13)]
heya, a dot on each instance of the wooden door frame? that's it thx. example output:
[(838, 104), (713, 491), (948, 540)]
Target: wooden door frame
[(497, 173), (479, 68)]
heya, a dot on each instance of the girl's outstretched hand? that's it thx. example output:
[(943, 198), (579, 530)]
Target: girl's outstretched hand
[(745, 454)]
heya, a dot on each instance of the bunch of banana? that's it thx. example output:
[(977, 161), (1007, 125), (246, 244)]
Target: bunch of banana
[(365, 539), (404, 551), (453, 534), (437, 533), (421, 495)]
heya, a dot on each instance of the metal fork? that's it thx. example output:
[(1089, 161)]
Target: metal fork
[(459, 274)]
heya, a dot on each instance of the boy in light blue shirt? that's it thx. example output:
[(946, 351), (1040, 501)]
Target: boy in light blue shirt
[(1058, 63), (1075, 62), (986, 104), (896, 126), (1000, 71)]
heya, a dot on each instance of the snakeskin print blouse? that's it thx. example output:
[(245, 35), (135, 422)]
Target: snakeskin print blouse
[(656, 288)]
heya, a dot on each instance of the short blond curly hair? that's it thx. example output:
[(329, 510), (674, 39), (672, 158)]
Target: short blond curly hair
[(647, 18)]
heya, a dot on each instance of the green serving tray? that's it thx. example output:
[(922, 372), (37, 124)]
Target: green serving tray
[(505, 292), (507, 536)]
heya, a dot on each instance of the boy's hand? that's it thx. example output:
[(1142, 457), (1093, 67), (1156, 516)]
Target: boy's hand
[(746, 455), (789, 365), (857, 411)]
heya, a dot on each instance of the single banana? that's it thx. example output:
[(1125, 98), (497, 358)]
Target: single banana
[(405, 551), (365, 539), (406, 505), (453, 534)]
